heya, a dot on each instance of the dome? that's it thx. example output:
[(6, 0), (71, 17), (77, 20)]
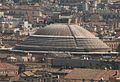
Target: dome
[(62, 38), (65, 31)]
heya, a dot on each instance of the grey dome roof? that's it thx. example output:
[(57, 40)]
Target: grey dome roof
[(64, 30), (63, 37)]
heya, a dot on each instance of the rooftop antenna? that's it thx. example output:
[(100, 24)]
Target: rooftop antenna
[(1, 42)]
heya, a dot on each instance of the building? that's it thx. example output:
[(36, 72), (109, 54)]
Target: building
[(113, 44), (86, 61), (92, 75), (1, 13), (56, 38), (112, 1), (8, 72), (31, 13)]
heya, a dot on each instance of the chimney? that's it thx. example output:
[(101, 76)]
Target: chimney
[(69, 21), (76, 20), (73, 21)]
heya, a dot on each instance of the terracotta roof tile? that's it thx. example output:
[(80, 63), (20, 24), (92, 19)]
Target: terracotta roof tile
[(94, 74), (4, 66)]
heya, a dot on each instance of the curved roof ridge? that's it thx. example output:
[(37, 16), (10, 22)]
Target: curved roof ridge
[(63, 37), (81, 32)]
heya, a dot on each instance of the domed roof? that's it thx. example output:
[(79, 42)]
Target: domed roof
[(64, 30), (62, 37)]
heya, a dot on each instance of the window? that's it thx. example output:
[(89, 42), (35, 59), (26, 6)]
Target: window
[(33, 12)]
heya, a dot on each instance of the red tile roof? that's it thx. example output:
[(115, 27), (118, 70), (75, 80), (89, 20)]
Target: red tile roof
[(6, 66), (94, 74)]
